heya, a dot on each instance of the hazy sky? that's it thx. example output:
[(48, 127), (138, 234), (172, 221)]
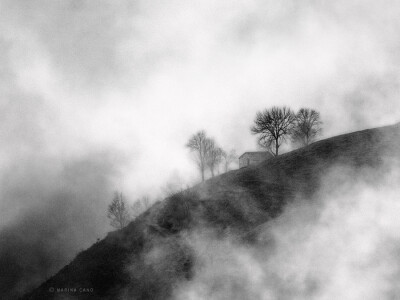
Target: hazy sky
[(103, 95), (139, 77)]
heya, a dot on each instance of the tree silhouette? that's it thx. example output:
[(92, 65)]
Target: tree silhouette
[(140, 206), (273, 126), (229, 158), (198, 144), (214, 155), (118, 211), (307, 126)]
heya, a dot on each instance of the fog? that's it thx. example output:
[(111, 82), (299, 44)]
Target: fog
[(99, 95), (342, 245), (50, 212), (143, 76)]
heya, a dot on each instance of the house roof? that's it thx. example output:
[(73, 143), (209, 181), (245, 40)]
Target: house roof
[(256, 153)]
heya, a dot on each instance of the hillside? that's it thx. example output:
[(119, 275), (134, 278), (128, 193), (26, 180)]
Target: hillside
[(235, 203)]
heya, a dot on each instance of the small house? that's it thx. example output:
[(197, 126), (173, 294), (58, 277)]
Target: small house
[(253, 158)]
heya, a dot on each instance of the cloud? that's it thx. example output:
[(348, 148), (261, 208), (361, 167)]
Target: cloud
[(144, 76), (342, 245), (137, 78), (51, 212)]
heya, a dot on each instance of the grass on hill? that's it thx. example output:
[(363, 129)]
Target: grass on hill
[(150, 256)]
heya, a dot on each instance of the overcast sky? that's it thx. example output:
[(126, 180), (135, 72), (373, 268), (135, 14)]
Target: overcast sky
[(137, 78), (103, 95)]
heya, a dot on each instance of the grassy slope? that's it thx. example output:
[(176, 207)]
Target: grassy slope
[(237, 201)]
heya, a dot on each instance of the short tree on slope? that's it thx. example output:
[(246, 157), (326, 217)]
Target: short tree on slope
[(307, 126), (228, 158), (140, 206), (118, 211), (273, 126)]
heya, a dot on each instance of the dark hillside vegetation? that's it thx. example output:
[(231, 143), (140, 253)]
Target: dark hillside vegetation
[(146, 259)]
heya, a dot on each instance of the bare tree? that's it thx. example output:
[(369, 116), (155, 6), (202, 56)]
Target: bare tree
[(307, 126), (118, 211), (229, 158), (214, 155), (273, 126), (140, 206), (198, 145)]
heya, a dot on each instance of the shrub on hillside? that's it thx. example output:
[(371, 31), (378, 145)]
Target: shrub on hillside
[(176, 213)]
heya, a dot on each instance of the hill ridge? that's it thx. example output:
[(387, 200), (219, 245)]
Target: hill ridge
[(236, 202)]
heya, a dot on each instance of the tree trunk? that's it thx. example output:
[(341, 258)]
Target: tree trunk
[(276, 148)]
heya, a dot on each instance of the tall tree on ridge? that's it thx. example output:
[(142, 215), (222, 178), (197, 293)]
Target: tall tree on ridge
[(198, 145), (214, 156), (307, 126), (273, 126)]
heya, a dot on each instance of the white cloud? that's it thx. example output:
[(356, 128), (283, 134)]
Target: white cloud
[(342, 245), (142, 76)]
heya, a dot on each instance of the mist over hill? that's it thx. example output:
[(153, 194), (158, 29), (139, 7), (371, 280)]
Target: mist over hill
[(319, 222), (98, 96)]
